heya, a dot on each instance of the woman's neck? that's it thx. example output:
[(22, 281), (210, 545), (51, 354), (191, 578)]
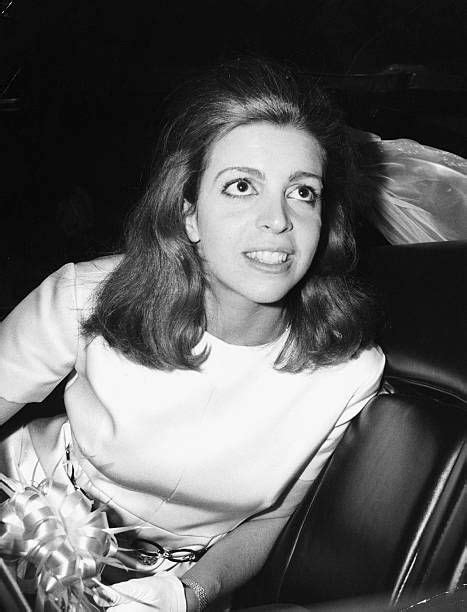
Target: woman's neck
[(250, 326)]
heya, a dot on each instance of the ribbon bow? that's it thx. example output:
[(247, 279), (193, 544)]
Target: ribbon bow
[(59, 543)]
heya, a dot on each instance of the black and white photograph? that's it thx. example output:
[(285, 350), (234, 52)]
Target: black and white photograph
[(233, 262)]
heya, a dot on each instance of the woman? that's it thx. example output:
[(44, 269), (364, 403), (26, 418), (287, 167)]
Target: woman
[(218, 362)]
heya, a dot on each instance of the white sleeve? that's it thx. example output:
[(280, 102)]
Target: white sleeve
[(368, 368), (39, 339)]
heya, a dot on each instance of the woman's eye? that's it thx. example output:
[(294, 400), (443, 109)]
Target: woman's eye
[(304, 193), (239, 187)]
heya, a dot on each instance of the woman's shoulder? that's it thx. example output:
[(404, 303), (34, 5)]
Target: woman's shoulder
[(371, 357), (361, 370), (365, 369), (96, 269), (367, 363), (89, 276)]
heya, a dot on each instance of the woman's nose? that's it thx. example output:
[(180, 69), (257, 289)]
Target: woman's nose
[(273, 216)]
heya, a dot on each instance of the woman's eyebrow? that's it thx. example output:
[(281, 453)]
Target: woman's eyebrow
[(258, 174), (302, 174), (246, 169)]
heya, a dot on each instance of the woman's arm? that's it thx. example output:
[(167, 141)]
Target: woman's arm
[(233, 560), (39, 342), (228, 564)]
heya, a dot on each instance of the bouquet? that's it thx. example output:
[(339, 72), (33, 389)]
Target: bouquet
[(56, 542)]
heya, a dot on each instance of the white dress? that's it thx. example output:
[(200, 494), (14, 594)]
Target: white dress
[(186, 455)]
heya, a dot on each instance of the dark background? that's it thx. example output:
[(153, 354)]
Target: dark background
[(81, 85)]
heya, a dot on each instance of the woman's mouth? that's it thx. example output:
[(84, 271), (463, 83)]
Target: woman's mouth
[(268, 257)]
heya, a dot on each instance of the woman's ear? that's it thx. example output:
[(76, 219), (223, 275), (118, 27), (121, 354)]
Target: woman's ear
[(191, 221)]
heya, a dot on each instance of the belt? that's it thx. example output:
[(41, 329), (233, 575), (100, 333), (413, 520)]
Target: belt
[(146, 556)]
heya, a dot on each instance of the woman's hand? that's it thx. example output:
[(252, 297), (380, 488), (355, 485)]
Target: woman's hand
[(162, 592)]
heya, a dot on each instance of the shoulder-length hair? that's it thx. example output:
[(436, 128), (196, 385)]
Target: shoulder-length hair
[(151, 307)]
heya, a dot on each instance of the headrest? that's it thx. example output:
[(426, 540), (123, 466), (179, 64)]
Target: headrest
[(423, 293)]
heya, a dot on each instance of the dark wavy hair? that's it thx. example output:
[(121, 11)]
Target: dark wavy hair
[(151, 307)]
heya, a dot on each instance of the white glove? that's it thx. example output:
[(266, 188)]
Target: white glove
[(162, 592)]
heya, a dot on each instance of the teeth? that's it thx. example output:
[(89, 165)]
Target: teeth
[(268, 257)]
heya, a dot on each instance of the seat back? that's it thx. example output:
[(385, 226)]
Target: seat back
[(423, 289)]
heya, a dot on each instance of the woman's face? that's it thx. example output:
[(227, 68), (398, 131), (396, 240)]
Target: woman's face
[(258, 215)]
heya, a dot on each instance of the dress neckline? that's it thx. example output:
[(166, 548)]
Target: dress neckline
[(214, 340)]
